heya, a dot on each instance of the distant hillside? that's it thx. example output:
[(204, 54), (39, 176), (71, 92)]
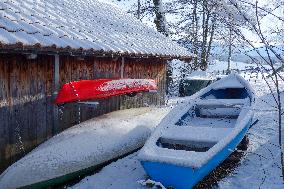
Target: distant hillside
[(279, 49), (242, 55)]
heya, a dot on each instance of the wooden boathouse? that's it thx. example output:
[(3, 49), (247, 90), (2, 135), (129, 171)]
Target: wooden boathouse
[(46, 43)]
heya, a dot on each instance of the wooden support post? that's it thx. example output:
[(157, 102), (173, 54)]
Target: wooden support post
[(55, 92), (122, 67)]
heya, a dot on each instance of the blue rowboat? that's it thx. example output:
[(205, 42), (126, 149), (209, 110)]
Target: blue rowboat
[(199, 134)]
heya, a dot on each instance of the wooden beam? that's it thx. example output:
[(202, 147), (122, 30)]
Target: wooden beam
[(55, 92), (122, 67)]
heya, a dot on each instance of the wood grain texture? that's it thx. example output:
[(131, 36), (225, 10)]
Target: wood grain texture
[(4, 114), (25, 89)]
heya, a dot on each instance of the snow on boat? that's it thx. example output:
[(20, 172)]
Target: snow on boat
[(83, 148), (102, 88), (196, 136)]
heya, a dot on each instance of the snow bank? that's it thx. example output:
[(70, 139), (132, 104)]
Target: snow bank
[(261, 169), (87, 144)]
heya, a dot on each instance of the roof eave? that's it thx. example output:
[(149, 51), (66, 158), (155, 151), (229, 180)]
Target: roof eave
[(53, 50)]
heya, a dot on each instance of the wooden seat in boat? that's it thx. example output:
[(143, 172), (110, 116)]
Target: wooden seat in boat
[(192, 138), (209, 134)]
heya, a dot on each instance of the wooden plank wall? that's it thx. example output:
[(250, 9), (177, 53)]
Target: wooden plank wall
[(26, 96), (25, 112), (72, 69), (146, 70)]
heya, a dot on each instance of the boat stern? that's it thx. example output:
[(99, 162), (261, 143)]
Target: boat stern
[(170, 175)]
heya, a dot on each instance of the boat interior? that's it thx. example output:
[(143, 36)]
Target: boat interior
[(226, 93), (209, 120)]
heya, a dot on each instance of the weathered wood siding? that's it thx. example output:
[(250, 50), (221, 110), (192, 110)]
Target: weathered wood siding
[(26, 96), (25, 110)]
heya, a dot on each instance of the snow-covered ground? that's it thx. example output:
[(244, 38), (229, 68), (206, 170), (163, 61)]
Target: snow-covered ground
[(259, 167)]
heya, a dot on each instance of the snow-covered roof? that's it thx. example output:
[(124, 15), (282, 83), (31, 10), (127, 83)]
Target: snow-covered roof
[(88, 26)]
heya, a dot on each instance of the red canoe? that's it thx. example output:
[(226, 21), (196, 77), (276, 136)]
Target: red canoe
[(102, 88)]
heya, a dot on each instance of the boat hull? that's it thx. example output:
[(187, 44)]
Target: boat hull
[(180, 177), (102, 89), (62, 179), (73, 175)]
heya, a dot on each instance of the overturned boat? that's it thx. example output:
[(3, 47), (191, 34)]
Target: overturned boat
[(197, 135), (102, 88), (83, 149)]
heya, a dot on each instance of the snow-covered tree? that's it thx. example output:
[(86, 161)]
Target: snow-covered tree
[(264, 35), (160, 19)]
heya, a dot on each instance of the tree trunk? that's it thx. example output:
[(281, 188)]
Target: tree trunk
[(194, 33), (230, 50), (205, 25), (211, 38), (160, 20), (138, 9)]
